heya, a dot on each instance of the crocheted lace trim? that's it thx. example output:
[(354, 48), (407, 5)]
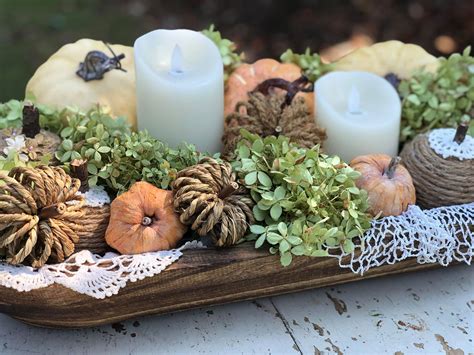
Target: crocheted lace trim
[(96, 197), (440, 235), (92, 275), (441, 141)]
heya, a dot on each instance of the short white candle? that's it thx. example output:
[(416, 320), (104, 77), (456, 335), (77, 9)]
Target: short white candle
[(180, 88), (361, 113)]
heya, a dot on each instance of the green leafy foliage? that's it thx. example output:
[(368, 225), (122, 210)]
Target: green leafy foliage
[(118, 158), (15, 159), (306, 202), (227, 49), (11, 116), (442, 99), (310, 63)]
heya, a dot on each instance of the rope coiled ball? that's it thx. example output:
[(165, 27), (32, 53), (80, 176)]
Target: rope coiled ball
[(40, 214), (209, 199)]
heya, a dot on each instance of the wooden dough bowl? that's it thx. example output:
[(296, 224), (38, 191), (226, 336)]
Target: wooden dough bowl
[(200, 278)]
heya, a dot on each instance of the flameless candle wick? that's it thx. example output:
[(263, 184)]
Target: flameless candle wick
[(353, 103), (176, 61)]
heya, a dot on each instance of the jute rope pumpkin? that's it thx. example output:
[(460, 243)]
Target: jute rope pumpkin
[(268, 113), (210, 200), (438, 181), (92, 234), (40, 214)]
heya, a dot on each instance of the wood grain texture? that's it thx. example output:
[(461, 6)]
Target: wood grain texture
[(199, 278)]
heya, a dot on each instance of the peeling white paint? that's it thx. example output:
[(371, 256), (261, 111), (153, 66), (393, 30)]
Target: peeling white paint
[(428, 312)]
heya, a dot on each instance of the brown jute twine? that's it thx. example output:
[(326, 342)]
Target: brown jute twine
[(438, 181), (40, 215), (210, 200), (267, 115), (92, 234)]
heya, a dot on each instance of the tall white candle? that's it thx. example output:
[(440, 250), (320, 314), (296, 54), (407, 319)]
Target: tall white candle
[(180, 88), (361, 113)]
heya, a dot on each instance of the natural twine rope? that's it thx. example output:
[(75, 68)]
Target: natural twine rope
[(438, 181), (209, 199), (40, 213), (92, 234), (263, 115)]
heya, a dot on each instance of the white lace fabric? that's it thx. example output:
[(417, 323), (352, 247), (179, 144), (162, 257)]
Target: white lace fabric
[(441, 141), (440, 235), (96, 196), (92, 275)]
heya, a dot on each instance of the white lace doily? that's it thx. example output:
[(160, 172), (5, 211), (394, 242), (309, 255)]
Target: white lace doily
[(92, 275), (439, 235), (96, 197), (441, 141)]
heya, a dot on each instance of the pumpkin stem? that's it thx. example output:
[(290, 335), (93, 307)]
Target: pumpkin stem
[(52, 211), (31, 126), (97, 63), (79, 171), (146, 221), (461, 132), (302, 84), (228, 190), (392, 166)]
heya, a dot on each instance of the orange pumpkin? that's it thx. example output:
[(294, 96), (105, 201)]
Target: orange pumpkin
[(143, 220), (388, 184), (247, 76)]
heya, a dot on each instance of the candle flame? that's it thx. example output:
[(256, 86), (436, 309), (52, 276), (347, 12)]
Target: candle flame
[(177, 60), (353, 103)]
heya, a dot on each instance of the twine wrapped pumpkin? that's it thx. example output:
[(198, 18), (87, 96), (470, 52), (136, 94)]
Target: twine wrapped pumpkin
[(40, 215), (440, 181), (270, 113), (97, 213), (210, 200)]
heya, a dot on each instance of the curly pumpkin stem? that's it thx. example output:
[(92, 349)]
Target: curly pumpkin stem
[(302, 84), (31, 125), (461, 132), (146, 221), (52, 211), (392, 166), (97, 63)]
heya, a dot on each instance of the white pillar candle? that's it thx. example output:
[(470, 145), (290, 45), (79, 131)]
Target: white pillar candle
[(180, 88), (361, 113)]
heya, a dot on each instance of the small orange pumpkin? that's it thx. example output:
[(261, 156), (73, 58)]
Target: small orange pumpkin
[(388, 184), (247, 76), (143, 220)]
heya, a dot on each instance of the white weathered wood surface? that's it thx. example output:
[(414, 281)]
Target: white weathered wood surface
[(421, 313)]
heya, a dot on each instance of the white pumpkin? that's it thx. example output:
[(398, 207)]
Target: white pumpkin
[(391, 57), (56, 83)]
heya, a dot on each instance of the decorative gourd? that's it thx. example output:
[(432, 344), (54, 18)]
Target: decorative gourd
[(86, 73), (441, 163), (143, 220), (389, 185), (391, 59), (247, 77)]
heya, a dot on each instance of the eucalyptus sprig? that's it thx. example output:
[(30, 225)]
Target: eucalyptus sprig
[(306, 202), (118, 158), (441, 99), (227, 49), (310, 63)]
